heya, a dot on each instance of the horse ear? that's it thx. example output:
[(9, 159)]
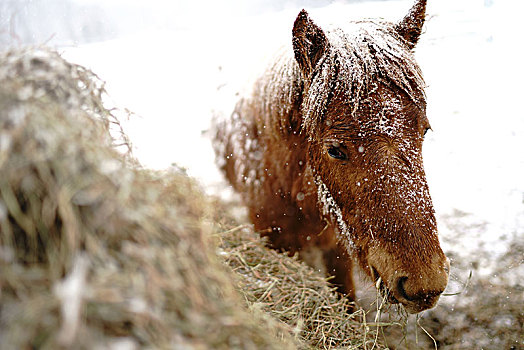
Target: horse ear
[(410, 27), (309, 43)]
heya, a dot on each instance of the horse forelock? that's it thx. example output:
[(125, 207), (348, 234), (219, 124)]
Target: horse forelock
[(358, 60)]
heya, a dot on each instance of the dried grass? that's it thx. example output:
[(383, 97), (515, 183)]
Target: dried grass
[(94, 251), (292, 292)]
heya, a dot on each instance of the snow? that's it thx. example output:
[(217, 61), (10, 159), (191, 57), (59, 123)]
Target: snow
[(331, 209), (175, 77), (71, 292)]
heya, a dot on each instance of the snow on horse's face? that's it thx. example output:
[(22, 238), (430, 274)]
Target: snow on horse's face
[(364, 116)]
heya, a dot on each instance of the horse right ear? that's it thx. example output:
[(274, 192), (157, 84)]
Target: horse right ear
[(410, 27), (309, 43)]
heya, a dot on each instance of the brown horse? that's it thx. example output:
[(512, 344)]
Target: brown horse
[(327, 156)]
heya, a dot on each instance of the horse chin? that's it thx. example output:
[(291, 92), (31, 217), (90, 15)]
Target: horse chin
[(417, 307)]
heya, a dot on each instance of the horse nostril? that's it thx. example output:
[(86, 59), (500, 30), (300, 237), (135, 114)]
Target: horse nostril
[(401, 290)]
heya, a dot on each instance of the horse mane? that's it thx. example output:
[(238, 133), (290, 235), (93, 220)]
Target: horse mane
[(359, 59)]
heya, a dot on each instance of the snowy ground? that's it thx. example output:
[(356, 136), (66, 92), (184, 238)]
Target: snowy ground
[(174, 76)]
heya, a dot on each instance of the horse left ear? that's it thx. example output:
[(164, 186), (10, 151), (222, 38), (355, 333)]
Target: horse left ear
[(309, 43), (410, 27)]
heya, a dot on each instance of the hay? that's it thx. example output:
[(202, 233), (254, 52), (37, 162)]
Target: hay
[(95, 252), (291, 291)]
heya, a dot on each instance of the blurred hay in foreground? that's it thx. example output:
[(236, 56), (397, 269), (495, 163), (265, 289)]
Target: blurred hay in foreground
[(96, 252)]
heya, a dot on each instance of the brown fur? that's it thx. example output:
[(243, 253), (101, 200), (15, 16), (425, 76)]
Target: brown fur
[(327, 154)]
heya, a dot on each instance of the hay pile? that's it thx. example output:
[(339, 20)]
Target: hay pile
[(295, 294), (96, 252)]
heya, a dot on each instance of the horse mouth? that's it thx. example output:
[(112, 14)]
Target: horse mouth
[(382, 288)]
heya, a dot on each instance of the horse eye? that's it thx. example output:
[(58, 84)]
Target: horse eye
[(337, 153)]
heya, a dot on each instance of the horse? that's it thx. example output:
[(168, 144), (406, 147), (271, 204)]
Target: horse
[(326, 154)]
